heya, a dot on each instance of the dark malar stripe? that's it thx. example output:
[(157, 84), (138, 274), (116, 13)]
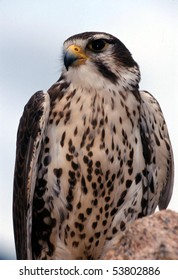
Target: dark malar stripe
[(107, 73)]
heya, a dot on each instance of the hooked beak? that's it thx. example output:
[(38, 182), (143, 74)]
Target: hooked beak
[(74, 56)]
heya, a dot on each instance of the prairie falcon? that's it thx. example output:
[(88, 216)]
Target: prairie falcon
[(93, 154)]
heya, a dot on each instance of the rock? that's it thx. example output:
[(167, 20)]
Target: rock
[(154, 237)]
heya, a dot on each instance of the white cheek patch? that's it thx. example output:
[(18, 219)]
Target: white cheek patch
[(85, 76)]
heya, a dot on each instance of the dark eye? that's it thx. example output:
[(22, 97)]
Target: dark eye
[(97, 45)]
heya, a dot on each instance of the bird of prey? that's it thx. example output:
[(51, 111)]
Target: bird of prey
[(93, 154)]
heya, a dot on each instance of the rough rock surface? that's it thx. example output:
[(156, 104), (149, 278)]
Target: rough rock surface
[(154, 237)]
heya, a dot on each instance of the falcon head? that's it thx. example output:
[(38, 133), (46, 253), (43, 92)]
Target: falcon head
[(95, 58)]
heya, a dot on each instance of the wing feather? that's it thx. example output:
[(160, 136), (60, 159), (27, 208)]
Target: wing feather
[(157, 150), (30, 133)]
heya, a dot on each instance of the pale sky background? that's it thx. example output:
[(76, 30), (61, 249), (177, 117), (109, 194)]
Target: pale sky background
[(31, 37)]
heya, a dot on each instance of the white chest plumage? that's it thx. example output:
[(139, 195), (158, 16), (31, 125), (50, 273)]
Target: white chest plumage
[(90, 144)]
